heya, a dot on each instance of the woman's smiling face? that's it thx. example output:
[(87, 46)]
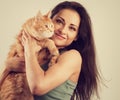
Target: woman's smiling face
[(66, 23)]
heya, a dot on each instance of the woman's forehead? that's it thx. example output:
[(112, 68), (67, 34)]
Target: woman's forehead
[(69, 16)]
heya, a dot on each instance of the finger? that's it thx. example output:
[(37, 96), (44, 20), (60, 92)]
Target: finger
[(23, 38), (24, 34), (27, 35)]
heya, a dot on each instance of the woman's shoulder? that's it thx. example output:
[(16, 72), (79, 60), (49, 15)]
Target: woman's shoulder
[(71, 56), (72, 60), (71, 53)]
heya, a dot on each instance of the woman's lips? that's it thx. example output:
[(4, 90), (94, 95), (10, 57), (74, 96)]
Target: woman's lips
[(59, 36)]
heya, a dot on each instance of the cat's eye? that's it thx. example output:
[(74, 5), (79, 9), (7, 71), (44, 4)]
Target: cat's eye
[(46, 26)]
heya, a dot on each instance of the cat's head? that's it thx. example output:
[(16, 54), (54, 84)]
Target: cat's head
[(40, 26)]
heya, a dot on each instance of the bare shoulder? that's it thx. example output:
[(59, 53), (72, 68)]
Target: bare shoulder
[(72, 58), (71, 54)]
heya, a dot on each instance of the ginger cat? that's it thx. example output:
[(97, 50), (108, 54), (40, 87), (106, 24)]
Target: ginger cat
[(13, 82)]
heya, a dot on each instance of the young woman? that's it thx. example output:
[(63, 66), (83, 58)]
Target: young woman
[(75, 74)]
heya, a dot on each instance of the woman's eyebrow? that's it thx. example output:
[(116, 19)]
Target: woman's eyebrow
[(74, 25), (61, 18), (70, 24)]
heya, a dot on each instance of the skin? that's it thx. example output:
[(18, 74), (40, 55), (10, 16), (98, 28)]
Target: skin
[(66, 24)]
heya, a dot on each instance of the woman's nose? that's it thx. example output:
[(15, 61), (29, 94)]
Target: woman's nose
[(64, 30)]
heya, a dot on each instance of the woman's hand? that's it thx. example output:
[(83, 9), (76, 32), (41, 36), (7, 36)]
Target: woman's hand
[(32, 66), (30, 45)]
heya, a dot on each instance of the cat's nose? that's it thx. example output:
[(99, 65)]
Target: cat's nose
[(51, 30)]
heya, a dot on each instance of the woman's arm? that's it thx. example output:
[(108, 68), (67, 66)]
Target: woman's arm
[(40, 82)]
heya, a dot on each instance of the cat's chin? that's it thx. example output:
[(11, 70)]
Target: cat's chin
[(47, 34)]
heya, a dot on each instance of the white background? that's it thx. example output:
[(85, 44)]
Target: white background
[(105, 17)]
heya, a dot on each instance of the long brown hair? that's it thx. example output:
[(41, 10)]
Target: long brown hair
[(89, 76)]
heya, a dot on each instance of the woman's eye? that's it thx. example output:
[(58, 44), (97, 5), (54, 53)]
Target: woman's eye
[(58, 21), (72, 28)]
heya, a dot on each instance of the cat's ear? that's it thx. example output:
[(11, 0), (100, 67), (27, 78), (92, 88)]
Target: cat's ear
[(38, 16), (48, 14)]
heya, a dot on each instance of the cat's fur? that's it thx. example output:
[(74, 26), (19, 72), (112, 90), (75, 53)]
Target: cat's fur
[(13, 82)]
